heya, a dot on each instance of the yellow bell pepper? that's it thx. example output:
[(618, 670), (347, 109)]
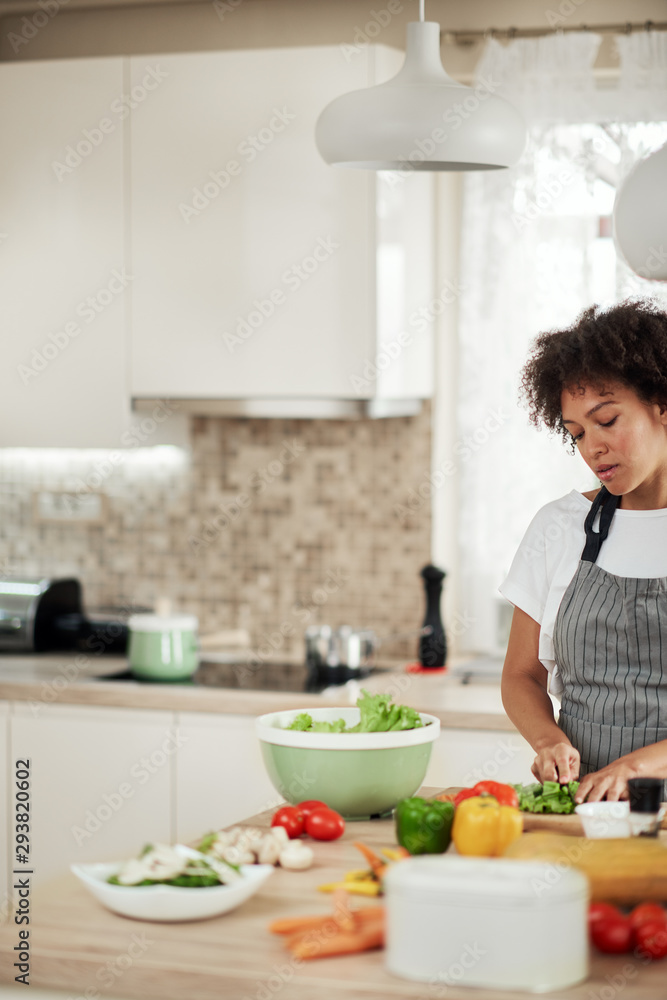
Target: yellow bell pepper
[(369, 888), (484, 828)]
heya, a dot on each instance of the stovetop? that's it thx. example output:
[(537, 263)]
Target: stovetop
[(257, 677)]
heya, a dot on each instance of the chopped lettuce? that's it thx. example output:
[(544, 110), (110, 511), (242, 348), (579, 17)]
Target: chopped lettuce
[(551, 797), (377, 715)]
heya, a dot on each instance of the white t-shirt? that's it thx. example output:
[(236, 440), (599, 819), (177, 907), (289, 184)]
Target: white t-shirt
[(550, 551)]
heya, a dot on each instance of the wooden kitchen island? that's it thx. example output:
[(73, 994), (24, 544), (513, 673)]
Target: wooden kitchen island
[(79, 947)]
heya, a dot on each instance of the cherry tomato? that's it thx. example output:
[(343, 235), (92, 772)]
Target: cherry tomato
[(325, 824), (291, 819), (305, 808), (602, 911), (646, 912), (612, 934), (651, 938)]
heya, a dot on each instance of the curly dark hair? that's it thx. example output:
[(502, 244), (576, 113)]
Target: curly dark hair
[(626, 344)]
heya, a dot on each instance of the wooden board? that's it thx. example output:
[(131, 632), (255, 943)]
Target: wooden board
[(569, 825), (625, 870)]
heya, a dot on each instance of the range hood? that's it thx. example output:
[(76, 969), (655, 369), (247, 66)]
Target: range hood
[(297, 408)]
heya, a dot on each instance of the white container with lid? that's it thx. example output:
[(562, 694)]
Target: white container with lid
[(495, 923)]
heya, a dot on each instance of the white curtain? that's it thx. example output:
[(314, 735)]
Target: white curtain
[(536, 250)]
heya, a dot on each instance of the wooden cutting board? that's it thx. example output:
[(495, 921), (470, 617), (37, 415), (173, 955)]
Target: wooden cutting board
[(570, 825), (624, 870)]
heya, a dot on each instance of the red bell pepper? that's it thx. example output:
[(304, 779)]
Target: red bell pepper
[(504, 794)]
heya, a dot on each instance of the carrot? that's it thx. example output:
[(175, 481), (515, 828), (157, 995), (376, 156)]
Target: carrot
[(342, 914), (343, 943), (378, 866), (301, 925)]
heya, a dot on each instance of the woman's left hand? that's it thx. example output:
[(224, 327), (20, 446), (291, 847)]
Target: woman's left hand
[(610, 782)]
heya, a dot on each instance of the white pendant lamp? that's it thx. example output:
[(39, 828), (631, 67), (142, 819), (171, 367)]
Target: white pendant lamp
[(640, 217), (421, 119)]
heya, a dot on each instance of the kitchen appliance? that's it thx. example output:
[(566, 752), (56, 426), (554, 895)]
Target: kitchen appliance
[(336, 656), (488, 922), (41, 614), (163, 647)]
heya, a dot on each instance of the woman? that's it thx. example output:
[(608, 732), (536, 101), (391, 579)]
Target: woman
[(589, 582)]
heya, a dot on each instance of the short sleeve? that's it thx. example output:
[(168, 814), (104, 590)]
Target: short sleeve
[(542, 568), (527, 583)]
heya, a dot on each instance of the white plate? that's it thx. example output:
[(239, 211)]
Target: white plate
[(169, 903)]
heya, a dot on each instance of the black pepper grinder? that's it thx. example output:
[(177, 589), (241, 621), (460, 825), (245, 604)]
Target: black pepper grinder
[(433, 645)]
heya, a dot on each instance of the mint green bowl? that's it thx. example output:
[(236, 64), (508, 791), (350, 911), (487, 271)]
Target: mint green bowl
[(357, 774)]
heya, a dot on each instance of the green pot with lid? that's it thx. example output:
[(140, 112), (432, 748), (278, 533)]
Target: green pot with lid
[(163, 647)]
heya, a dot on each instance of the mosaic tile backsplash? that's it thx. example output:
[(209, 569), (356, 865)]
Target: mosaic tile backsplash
[(267, 525)]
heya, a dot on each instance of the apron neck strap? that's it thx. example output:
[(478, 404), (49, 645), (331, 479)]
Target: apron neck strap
[(606, 503)]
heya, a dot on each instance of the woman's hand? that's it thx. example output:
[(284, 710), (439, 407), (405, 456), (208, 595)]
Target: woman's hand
[(558, 762), (610, 782)]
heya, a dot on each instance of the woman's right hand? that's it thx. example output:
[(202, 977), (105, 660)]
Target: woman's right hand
[(558, 762)]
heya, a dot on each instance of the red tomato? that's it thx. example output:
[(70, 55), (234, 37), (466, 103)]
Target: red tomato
[(325, 824), (505, 794), (305, 808), (651, 938), (646, 912), (291, 819), (602, 911), (612, 934)]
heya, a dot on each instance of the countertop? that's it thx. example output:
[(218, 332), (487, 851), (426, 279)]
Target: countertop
[(78, 946), (71, 679)]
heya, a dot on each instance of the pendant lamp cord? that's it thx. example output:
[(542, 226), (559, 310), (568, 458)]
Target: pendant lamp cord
[(421, 10)]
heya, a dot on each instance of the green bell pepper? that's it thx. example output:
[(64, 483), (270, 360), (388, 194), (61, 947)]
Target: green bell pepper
[(424, 826)]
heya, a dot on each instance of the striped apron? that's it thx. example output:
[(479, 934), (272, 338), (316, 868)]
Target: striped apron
[(610, 644)]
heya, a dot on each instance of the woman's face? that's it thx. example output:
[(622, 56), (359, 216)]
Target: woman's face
[(619, 436)]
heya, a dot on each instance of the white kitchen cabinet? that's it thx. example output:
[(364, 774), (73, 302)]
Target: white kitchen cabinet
[(465, 756), (101, 782), (63, 274), (258, 270), (220, 775)]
